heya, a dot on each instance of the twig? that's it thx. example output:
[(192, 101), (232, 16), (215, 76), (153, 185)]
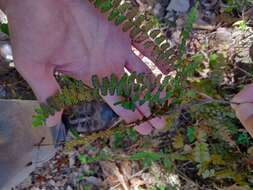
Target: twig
[(131, 177), (203, 27), (244, 71), (186, 178)]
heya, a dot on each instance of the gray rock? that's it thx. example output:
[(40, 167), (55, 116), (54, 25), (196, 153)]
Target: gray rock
[(69, 188), (94, 181), (223, 35), (180, 6), (51, 182), (3, 92)]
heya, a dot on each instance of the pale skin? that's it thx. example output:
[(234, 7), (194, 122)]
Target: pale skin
[(72, 37), (244, 107)]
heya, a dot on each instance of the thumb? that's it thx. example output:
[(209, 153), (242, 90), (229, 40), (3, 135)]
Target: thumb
[(244, 108), (244, 112), (245, 96)]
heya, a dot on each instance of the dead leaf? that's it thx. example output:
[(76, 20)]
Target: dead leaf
[(235, 187), (136, 182), (126, 169), (111, 170)]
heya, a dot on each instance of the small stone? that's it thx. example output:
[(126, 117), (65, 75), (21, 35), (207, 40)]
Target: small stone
[(3, 92), (6, 51), (180, 6), (94, 181), (52, 183), (157, 9), (72, 160), (69, 188), (223, 35)]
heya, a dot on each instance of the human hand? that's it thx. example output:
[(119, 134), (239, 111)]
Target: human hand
[(72, 37)]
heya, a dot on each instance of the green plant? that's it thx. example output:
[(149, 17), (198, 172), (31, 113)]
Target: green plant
[(72, 93), (141, 28), (242, 25), (237, 5), (119, 138), (130, 86), (4, 28)]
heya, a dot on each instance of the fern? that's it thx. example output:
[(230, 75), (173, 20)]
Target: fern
[(201, 153), (93, 137), (74, 92), (130, 87), (140, 29)]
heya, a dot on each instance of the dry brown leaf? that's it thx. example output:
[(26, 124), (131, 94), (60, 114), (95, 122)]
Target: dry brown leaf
[(235, 187), (136, 182), (111, 170), (126, 168)]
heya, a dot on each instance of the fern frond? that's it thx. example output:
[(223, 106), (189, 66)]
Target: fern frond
[(93, 137), (131, 87), (72, 94), (140, 29)]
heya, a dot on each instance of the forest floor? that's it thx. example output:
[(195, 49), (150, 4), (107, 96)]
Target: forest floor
[(202, 147)]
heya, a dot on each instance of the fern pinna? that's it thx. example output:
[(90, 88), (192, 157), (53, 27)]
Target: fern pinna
[(132, 87)]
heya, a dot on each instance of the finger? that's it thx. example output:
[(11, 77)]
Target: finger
[(147, 127), (244, 112), (144, 128), (245, 95), (165, 65), (135, 64), (127, 115), (158, 122), (140, 41), (249, 125)]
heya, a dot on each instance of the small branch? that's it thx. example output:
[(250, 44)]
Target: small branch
[(244, 71), (186, 178), (131, 177)]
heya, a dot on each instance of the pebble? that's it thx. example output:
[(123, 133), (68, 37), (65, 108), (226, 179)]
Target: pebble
[(3, 92), (72, 159), (94, 181), (52, 182), (181, 6), (223, 35), (69, 188)]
